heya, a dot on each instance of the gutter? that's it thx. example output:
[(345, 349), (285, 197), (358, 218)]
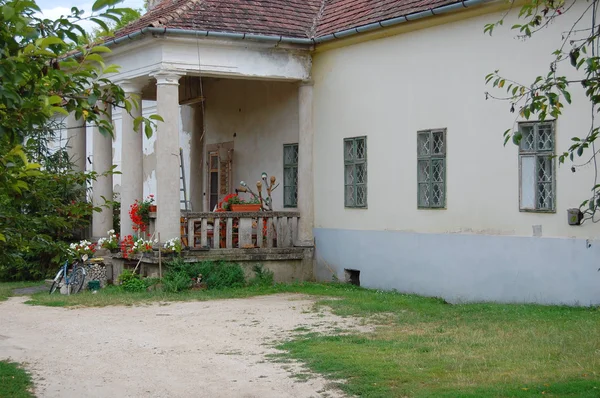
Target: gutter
[(298, 40)]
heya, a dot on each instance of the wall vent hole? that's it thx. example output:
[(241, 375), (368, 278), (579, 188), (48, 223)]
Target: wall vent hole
[(352, 276)]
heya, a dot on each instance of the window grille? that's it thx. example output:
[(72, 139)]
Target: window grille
[(355, 172), (290, 175), (431, 169), (536, 167)]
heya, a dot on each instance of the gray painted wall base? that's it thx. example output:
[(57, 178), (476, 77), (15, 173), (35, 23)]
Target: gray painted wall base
[(465, 268)]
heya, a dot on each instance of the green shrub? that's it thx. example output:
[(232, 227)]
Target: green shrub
[(176, 281), (216, 274), (131, 282), (262, 276)]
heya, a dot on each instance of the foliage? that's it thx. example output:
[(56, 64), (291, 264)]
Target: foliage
[(131, 282), (131, 245), (548, 94), (81, 248), (38, 220), (173, 246), (111, 242), (129, 15), (48, 69), (139, 213), (14, 381), (262, 276), (216, 274), (176, 281), (235, 199)]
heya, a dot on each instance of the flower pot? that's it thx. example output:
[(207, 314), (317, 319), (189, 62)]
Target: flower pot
[(152, 208), (115, 250), (246, 207)]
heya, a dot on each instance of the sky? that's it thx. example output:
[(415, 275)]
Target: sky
[(53, 9)]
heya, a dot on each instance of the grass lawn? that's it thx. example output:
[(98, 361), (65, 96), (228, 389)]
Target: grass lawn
[(6, 288), (14, 381), (424, 347)]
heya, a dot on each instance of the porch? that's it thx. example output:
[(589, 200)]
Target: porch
[(235, 110)]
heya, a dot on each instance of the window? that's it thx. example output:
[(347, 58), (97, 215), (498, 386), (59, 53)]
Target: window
[(431, 169), (536, 167), (355, 172), (290, 175)]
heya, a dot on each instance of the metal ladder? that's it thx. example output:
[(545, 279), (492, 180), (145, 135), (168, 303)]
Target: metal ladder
[(182, 187)]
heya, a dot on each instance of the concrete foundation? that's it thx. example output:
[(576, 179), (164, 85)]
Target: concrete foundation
[(288, 265), (464, 267)]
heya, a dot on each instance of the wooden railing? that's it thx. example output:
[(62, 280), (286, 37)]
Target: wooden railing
[(243, 230)]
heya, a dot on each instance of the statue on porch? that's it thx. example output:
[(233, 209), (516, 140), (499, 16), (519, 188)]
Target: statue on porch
[(266, 204)]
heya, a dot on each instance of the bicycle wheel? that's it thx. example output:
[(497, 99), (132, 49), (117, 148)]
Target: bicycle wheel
[(77, 279), (57, 280)]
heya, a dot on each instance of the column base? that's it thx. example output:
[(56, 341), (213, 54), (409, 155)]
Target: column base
[(304, 243)]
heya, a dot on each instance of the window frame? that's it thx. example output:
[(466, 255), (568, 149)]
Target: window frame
[(354, 162), (431, 157), (537, 153), (288, 166)]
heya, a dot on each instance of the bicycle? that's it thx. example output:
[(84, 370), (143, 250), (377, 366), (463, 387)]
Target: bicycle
[(73, 280)]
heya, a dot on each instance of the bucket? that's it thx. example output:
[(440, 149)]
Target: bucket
[(94, 285)]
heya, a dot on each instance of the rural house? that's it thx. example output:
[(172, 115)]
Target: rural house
[(373, 118)]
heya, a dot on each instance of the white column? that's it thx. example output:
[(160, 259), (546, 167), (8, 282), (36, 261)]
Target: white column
[(76, 142), (132, 147), (305, 165), (102, 188), (167, 155)]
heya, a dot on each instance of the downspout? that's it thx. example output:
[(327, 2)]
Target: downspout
[(298, 40)]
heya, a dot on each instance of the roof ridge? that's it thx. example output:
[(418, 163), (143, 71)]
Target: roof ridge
[(317, 19)]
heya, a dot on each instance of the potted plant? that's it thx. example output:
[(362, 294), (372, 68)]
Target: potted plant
[(139, 212), (172, 246), (142, 246), (82, 247), (131, 245), (233, 202), (111, 242)]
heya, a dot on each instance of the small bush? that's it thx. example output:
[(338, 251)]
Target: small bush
[(262, 276), (131, 282), (216, 274), (176, 281)]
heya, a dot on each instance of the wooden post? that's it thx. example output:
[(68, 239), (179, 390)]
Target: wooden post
[(159, 258), (217, 233), (245, 232), (229, 233)]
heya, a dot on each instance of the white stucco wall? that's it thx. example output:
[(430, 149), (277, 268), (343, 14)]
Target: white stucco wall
[(259, 117), (390, 88)]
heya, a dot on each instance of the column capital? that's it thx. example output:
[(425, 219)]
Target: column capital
[(168, 77), (131, 86)]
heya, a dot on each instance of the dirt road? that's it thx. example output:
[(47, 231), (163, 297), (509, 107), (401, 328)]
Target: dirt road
[(194, 349)]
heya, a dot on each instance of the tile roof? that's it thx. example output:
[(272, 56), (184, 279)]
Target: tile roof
[(288, 18)]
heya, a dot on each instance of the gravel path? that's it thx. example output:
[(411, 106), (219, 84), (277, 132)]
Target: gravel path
[(194, 349)]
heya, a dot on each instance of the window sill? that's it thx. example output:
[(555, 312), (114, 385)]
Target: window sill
[(537, 211)]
